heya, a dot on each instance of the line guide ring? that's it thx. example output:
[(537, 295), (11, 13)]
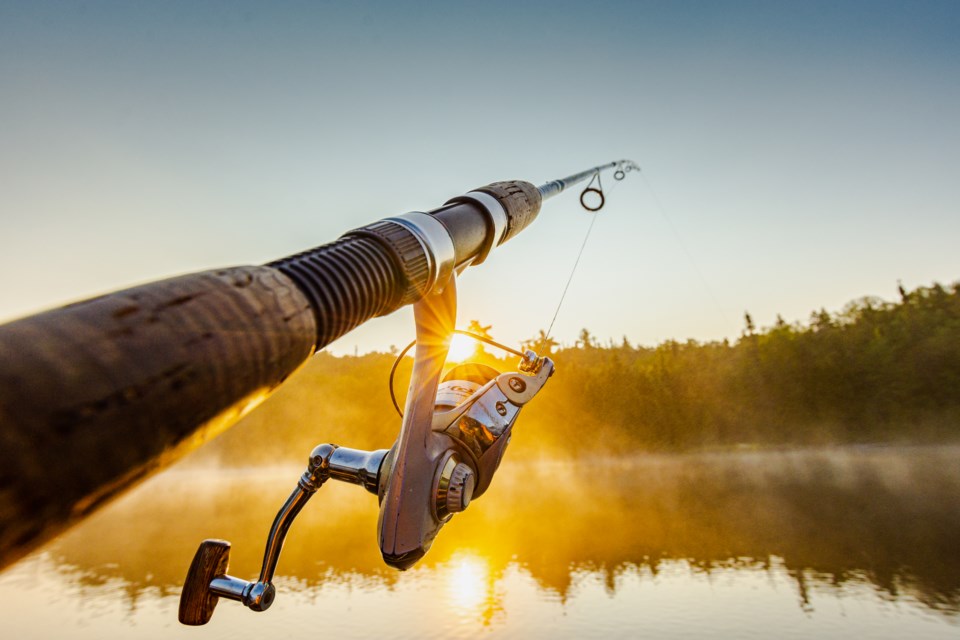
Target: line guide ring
[(591, 189), (584, 204)]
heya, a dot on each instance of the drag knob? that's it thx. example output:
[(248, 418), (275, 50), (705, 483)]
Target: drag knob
[(461, 488)]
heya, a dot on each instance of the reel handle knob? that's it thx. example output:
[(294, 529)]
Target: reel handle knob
[(197, 601)]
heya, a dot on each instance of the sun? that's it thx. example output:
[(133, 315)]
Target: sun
[(461, 348)]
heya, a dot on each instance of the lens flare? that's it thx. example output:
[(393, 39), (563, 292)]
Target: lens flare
[(461, 348)]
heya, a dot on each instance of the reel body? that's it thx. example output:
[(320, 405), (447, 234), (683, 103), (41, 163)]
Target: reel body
[(451, 442)]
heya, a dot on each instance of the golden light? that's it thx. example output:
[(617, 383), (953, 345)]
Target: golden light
[(461, 348), (467, 582)]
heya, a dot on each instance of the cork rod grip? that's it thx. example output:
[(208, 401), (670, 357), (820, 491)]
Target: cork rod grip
[(95, 395)]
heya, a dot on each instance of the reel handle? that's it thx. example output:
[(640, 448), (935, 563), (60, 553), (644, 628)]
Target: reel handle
[(207, 580)]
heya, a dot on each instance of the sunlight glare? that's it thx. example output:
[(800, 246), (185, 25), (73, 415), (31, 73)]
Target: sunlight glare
[(461, 348)]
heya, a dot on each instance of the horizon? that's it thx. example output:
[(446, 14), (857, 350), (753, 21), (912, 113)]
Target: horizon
[(460, 343)]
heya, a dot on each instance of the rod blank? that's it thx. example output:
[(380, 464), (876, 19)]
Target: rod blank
[(554, 187)]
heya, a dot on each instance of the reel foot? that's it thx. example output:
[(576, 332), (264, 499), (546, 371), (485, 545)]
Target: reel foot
[(197, 601)]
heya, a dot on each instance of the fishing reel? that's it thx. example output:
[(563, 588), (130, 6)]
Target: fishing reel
[(452, 440)]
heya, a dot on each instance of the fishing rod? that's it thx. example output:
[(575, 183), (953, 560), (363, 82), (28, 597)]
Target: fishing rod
[(96, 395)]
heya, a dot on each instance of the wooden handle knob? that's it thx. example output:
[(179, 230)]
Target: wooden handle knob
[(197, 602)]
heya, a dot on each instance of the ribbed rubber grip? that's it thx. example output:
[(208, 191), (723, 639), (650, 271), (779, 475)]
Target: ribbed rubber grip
[(407, 252), (371, 271)]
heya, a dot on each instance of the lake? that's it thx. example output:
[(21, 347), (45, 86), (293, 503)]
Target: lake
[(852, 542)]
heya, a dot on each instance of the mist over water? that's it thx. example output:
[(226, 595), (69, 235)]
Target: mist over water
[(797, 542)]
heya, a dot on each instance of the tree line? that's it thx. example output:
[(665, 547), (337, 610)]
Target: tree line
[(877, 371)]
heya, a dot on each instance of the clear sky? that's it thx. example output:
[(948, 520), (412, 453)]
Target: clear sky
[(805, 153)]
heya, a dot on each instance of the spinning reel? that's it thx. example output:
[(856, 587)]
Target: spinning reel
[(452, 439)]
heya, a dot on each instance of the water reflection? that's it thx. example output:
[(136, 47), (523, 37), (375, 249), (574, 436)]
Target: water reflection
[(887, 519)]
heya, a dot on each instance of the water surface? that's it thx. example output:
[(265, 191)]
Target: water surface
[(860, 541)]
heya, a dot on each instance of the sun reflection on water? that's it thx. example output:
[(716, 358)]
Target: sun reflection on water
[(467, 579)]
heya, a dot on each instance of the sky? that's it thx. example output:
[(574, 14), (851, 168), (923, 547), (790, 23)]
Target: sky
[(794, 155)]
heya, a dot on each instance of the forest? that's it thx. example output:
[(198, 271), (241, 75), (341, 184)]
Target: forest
[(875, 372)]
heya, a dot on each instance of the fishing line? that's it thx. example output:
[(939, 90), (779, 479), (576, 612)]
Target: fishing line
[(569, 280), (583, 246)]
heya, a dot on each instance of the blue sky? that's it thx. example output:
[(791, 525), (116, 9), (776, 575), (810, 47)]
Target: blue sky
[(804, 153)]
